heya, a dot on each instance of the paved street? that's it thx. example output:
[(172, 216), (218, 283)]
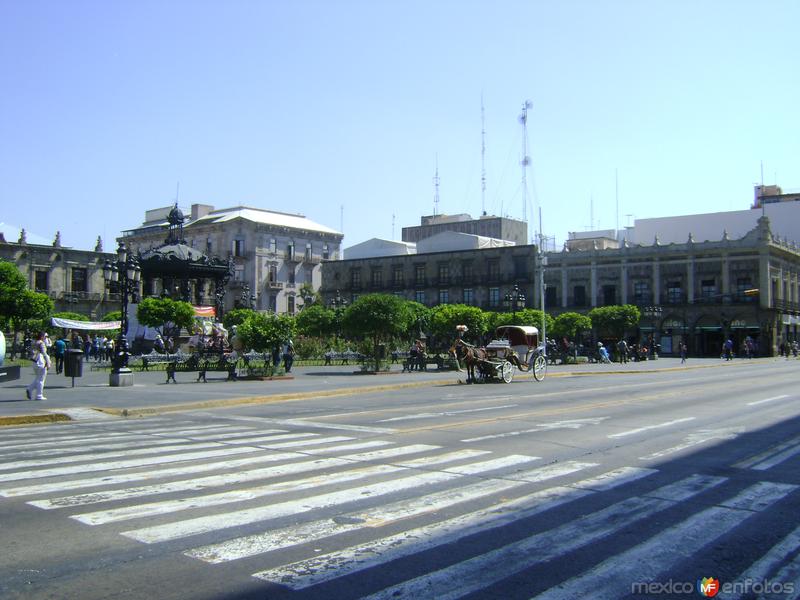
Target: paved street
[(594, 483)]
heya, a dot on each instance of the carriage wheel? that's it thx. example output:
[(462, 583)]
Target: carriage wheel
[(538, 367), (507, 371)]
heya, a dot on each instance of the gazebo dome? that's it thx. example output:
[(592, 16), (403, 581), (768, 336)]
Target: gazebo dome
[(175, 216)]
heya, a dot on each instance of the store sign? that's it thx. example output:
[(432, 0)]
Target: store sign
[(738, 324), (672, 323)]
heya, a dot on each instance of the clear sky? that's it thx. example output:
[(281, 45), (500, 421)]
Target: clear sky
[(339, 110)]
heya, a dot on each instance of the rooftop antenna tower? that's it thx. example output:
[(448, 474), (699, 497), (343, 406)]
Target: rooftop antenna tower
[(616, 195), (392, 225), (483, 159), (436, 189), (526, 160)]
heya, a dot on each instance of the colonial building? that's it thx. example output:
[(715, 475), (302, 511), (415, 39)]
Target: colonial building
[(274, 254), (694, 292), (72, 278)]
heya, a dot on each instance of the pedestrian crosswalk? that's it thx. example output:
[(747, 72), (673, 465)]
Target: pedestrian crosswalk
[(304, 506)]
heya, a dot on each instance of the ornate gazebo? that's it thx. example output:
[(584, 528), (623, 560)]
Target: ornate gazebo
[(184, 272)]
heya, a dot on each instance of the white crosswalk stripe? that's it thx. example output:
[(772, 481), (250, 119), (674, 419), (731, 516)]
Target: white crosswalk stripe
[(307, 509)]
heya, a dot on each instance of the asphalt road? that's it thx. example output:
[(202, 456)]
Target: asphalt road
[(597, 486)]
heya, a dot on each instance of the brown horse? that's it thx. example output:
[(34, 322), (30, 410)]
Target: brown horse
[(472, 357)]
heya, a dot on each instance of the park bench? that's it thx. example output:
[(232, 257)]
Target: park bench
[(202, 365), (441, 362)]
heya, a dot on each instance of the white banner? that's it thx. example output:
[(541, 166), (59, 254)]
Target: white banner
[(87, 325)]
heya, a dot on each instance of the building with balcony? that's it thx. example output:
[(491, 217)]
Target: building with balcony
[(273, 253)]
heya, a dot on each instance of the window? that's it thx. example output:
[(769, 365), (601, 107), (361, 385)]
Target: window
[(742, 284), (291, 276), (308, 251), (397, 276), (494, 297), (326, 253), (238, 247), (355, 278), (309, 275), (609, 295), (674, 292), (708, 289), (469, 296), (290, 304), (444, 296), (273, 274), (290, 251), (40, 281), (494, 270), (273, 303), (238, 274), (273, 246), (79, 280), (419, 274), (520, 268), (419, 296), (467, 271), (641, 292), (444, 274), (209, 245), (377, 278), (579, 295), (550, 297)]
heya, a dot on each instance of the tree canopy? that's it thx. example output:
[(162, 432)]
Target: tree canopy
[(613, 321), (262, 332), (570, 324), (165, 315), (316, 320), (378, 317), (445, 318)]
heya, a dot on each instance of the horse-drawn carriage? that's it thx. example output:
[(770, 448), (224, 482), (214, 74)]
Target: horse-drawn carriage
[(514, 346)]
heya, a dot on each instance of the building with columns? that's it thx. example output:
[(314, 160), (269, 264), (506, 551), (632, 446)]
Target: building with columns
[(695, 292)]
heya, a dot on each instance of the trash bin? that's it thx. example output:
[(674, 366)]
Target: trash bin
[(73, 363)]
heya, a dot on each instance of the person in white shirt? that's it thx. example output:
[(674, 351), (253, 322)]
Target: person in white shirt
[(41, 364)]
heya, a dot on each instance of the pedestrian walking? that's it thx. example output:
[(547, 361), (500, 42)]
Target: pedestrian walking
[(60, 349), (41, 363), (622, 350), (683, 352)]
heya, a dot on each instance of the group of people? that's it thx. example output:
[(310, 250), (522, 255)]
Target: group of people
[(416, 356)]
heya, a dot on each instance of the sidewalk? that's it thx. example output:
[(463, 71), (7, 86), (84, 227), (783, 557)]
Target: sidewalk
[(150, 392)]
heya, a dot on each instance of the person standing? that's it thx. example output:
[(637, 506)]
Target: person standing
[(41, 363), (288, 356), (683, 352), (60, 350)]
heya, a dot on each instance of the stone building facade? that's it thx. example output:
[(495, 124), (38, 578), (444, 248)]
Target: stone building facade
[(697, 293), (72, 278), (274, 254)]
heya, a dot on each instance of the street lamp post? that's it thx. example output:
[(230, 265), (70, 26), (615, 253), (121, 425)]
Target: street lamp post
[(514, 301), (338, 304), (126, 273), (654, 314)]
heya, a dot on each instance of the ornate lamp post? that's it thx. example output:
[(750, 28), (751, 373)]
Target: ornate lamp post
[(338, 304), (124, 274), (514, 301)]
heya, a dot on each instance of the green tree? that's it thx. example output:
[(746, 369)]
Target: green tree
[(114, 315), (309, 296), (316, 321), (613, 321), (526, 316), (419, 321), (570, 325), (165, 315), (31, 312), (262, 332), (12, 285), (379, 317), (445, 318), (237, 316)]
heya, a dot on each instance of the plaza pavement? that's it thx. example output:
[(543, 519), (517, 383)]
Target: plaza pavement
[(91, 396)]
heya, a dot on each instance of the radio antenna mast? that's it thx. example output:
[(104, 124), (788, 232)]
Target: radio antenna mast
[(525, 160), (436, 188), (483, 159)]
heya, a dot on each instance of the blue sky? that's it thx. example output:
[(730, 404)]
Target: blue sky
[(339, 110)]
